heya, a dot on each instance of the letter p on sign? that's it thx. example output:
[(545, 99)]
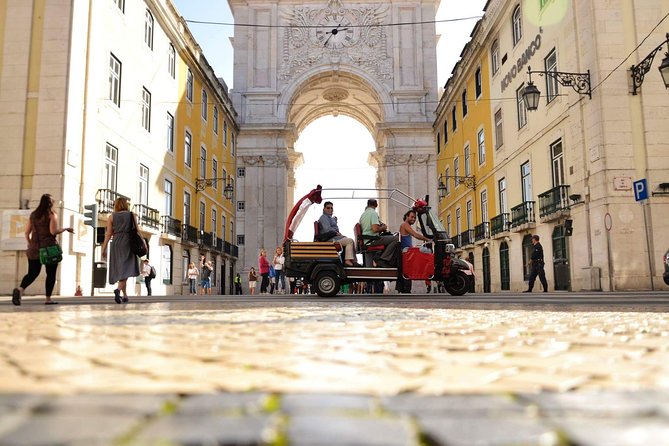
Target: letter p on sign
[(641, 190)]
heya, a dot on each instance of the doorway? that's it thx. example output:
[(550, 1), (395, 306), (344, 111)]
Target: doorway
[(486, 270), (562, 277)]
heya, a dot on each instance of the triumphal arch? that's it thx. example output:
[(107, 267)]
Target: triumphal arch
[(296, 61)]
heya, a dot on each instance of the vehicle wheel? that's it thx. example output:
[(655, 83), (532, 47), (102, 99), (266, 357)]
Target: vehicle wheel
[(457, 284), (327, 284)]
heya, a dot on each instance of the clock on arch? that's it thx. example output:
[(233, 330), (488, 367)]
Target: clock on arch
[(336, 30)]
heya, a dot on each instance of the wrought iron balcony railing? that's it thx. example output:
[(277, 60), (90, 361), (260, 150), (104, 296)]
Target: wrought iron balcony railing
[(522, 214), (499, 224), (189, 233), (219, 244), (554, 200), (235, 251), (227, 247), (147, 216), (455, 240), (171, 226), (106, 199), (482, 231), (207, 239), (467, 238)]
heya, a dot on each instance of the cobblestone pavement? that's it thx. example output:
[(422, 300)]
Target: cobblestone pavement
[(331, 372)]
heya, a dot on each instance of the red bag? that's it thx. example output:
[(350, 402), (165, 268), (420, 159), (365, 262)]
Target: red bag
[(417, 265)]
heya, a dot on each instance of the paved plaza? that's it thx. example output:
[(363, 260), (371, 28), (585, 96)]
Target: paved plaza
[(303, 371)]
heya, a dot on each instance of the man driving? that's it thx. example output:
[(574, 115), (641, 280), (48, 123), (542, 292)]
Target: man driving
[(372, 227)]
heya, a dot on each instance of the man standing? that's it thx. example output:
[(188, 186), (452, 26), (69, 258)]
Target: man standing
[(329, 231), (238, 284), (372, 227), (149, 273), (537, 262)]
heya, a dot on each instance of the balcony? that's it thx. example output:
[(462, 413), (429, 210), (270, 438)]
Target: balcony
[(522, 216), (146, 216), (456, 241), (482, 231), (219, 244), (207, 239), (235, 251), (499, 224), (554, 203), (467, 238), (227, 247), (106, 199), (171, 226), (189, 233)]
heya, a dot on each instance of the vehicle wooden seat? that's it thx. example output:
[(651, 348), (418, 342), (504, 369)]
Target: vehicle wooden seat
[(366, 250), (317, 230)]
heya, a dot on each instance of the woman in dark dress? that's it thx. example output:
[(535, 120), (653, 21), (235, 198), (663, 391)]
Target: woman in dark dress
[(41, 232), (122, 262)]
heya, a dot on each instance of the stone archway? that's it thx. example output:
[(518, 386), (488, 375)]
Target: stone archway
[(295, 64)]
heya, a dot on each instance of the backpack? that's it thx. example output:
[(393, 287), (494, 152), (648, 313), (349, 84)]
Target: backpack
[(152, 273)]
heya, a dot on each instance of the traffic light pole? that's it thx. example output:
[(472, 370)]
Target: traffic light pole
[(93, 263), (91, 214)]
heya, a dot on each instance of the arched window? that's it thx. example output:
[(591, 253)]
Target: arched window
[(516, 25), (504, 269), (527, 255), (148, 29)]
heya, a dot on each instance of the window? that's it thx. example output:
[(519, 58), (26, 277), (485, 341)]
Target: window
[(146, 109), (111, 166), (453, 117), (558, 163), (224, 177), (458, 220), (481, 145), (188, 149), (438, 143), (445, 132), (516, 25), (464, 102), (478, 81), (170, 133), (499, 134), (203, 162), (494, 57), (550, 64), (214, 173), (215, 120), (189, 85), (232, 145), (114, 80), (232, 230), (205, 105), (143, 192), (241, 205), (225, 133), (168, 191), (202, 216), (468, 162), (241, 172), (148, 29), (501, 187), (526, 181), (171, 61), (520, 105), (223, 227), (214, 221), (447, 173), (456, 170), (484, 206), (186, 208), (448, 224), (470, 215), (120, 4), (240, 240)]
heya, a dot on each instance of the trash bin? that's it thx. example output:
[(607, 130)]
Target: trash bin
[(99, 274)]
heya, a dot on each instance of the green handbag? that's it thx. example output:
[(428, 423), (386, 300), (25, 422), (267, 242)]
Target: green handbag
[(50, 255)]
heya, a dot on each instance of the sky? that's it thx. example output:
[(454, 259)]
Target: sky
[(328, 136)]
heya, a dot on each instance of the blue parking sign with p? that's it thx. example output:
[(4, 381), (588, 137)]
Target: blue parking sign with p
[(641, 190)]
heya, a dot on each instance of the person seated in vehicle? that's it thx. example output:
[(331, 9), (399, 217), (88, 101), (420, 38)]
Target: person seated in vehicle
[(406, 241), (377, 232), (329, 231)]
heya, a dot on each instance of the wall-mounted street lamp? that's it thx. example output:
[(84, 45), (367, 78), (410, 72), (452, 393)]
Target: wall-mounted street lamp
[(469, 182), (580, 82), (228, 190), (639, 71)]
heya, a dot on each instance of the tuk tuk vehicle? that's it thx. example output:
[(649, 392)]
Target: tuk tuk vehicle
[(321, 264)]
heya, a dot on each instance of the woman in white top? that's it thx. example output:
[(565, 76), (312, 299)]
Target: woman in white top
[(278, 262), (193, 274)]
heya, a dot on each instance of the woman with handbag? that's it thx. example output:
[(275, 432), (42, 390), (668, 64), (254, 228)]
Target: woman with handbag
[(122, 261), (41, 233)]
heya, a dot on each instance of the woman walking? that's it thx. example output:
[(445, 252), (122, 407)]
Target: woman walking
[(122, 262), (193, 274), (41, 232), (253, 278), (263, 267)]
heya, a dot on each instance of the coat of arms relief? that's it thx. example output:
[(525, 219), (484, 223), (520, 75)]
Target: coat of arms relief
[(335, 35)]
